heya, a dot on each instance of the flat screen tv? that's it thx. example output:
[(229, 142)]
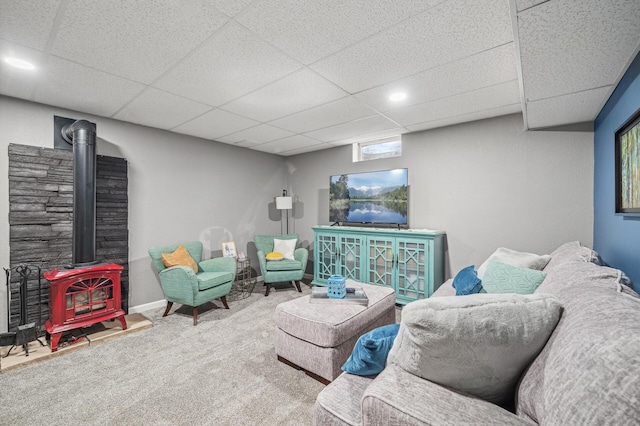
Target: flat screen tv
[(378, 198)]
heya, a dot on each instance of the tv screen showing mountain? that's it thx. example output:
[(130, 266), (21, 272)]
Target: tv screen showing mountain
[(379, 197)]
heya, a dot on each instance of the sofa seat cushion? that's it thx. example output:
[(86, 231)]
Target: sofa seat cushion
[(207, 280), (396, 397), (479, 344), (339, 402), (588, 373), (284, 265)]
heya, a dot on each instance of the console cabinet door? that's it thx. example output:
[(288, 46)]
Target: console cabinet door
[(325, 256), (381, 261), (413, 269), (350, 250)]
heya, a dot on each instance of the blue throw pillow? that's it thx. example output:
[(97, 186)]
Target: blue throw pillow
[(369, 355), (467, 281)]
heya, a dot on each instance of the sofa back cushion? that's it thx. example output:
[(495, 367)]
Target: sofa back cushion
[(478, 344), (588, 373)]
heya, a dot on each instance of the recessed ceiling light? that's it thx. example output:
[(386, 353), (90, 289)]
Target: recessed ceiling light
[(19, 63), (397, 97)]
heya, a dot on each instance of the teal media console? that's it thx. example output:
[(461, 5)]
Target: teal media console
[(411, 261)]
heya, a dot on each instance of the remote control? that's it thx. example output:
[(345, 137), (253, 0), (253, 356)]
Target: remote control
[(351, 290)]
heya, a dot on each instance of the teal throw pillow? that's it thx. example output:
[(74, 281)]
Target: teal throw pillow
[(467, 281), (369, 355), (503, 278)]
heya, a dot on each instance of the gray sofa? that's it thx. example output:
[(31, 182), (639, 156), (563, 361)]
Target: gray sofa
[(588, 373)]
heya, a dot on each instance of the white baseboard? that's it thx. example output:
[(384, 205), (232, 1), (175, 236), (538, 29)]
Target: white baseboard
[(148, 306), (163, 302)]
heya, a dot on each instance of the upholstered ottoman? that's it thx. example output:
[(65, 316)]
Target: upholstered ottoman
[(319, 337)]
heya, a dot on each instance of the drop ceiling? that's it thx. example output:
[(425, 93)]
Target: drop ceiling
[(294, 76)]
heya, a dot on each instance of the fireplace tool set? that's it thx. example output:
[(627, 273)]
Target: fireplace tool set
[(26, 331)]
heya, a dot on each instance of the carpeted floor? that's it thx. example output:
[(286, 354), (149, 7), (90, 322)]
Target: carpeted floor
[(221, 372)]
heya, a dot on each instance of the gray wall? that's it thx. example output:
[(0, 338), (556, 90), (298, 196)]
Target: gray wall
[(181, 188), (487, 184)]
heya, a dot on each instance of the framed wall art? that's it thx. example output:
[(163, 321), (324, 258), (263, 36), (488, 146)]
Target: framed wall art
[(229, 249), (627, 147)]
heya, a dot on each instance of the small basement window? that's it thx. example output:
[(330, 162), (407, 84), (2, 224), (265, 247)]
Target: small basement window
[(384, 148)]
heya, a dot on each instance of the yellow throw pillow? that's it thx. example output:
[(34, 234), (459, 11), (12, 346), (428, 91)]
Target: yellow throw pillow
[(274, 255), (179, 257)]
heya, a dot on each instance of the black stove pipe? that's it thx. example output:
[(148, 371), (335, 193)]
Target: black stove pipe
[(82, 135)]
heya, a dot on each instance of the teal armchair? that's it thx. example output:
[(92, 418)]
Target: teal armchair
[(182, 285), (280, 270)]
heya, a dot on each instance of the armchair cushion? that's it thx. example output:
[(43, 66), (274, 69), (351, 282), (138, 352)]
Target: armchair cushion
[(208, 280), (179, 257), (286, 247), (284, 265)]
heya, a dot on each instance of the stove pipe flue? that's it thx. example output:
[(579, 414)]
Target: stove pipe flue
[(82, 135)]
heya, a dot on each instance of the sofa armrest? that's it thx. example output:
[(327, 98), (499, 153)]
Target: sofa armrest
[(399, 397), (262, 260), (302, 256)]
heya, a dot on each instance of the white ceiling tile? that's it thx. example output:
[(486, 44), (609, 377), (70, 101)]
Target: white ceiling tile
[(311, 29), (486, 98), (569, 46), (483, 69), (367, 125), (17, 82), (229, 65), (101, 93), (573, 108), (287, 144), (321, 145), (99, 34), (231, 7), (27, 22), (159, 109), (299, 91), (215, 124), (259, 134), (447, 32), (330, 114), (464, 118)]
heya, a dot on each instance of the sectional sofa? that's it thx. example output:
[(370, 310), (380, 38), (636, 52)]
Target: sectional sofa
[(586, 373)]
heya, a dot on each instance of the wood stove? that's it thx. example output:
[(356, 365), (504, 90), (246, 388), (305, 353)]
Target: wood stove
[(86, 292), (81, 297)]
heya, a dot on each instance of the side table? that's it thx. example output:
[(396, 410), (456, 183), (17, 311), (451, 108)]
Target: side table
[(244, 283)]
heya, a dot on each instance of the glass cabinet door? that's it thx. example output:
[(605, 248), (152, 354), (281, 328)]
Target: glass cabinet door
[(326, 256), (381, 261), (413, 258), (351, 250)]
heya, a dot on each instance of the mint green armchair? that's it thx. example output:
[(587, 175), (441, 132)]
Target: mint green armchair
[(280, 270), (180, 284)]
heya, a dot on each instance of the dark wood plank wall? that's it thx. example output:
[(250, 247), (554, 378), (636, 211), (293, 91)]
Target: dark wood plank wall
[(40, 220)]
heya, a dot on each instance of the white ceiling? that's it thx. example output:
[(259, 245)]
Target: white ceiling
[(294, 76)]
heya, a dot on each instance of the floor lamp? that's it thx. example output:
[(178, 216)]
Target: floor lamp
[(284, 203)]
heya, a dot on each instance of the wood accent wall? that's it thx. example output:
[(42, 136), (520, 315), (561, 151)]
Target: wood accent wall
[(41, 220)]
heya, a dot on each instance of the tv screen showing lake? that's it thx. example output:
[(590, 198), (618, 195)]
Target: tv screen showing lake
[(373, 211), (369, 197)]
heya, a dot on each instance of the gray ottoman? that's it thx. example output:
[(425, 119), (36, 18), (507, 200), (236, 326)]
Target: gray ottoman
[(319, 337)]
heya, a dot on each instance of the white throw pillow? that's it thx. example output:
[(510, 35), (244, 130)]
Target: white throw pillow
[(286, 247), (479, 344), (516, 258)]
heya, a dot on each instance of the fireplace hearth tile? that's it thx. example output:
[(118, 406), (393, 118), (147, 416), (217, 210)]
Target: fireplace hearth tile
[(96, 333)]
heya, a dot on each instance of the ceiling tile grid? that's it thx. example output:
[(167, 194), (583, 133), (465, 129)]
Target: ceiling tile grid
[(294, 76)]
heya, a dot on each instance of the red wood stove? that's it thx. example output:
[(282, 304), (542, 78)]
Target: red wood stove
[(81, 297)]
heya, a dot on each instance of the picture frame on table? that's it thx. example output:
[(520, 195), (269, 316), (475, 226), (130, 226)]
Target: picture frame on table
[(627, 167), (229, 249)]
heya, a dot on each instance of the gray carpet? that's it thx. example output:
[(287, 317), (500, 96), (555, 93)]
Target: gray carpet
[(221, 372)]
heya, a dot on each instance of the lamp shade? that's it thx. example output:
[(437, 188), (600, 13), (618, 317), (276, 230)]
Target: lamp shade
[(284, 203)]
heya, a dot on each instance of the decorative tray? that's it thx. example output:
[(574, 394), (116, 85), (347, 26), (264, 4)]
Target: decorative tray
[(319, 295)]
